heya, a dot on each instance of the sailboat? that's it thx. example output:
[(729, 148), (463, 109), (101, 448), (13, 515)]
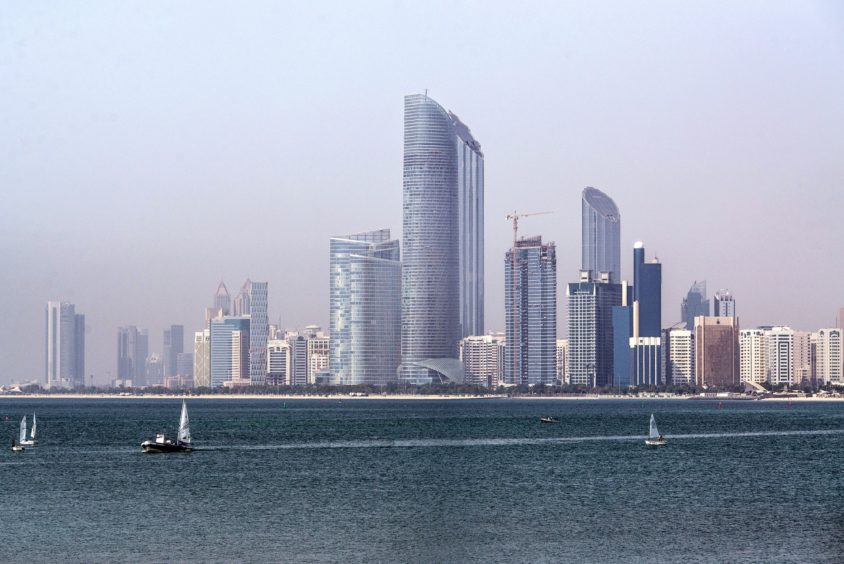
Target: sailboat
[(183, 442), (24, 441), (15, 446), (654, 438)]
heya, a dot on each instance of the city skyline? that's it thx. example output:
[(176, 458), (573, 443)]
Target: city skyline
[(110, 192)]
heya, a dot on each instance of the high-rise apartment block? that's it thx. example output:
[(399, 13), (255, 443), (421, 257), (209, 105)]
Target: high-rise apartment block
[(682, 356), (561, 361), (530, 304), (442, 269), (319, 345), (725, 305), (802, 357), (278, 362), (716, 351), (298, 360), (365, 308), (202, 358), (64, 356), (753, 355), (779, 344), (828, 356), (694, 304), (483, 359)]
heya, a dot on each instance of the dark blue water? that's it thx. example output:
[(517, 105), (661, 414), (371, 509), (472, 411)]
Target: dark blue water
[(425, 481)]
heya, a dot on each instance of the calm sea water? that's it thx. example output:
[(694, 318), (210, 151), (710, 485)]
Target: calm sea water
[(425, 481)]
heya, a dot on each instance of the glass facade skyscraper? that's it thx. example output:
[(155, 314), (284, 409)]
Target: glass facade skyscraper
[(442, 271), (470, 188), (590, 354), (601, 235), (530, 289), (365, 302), (647, 290), (259, 331)]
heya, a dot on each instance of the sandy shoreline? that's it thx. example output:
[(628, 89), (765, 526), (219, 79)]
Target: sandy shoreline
[(397, 397)]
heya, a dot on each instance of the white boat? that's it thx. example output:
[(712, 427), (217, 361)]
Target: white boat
[(16, 447), (23, 440), (654, 438), (183, 442)]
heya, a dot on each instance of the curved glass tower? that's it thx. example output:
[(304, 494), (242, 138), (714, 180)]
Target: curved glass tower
[(430, 309), (365, 308), (601, 242)]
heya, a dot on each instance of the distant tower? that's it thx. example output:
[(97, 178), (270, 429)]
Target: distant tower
[(64, 356), (694, 304), (243, 300), (132, 353), (174, 344), (601, 235), (442, 271), (725, 306), (222, 300), (530, 312)]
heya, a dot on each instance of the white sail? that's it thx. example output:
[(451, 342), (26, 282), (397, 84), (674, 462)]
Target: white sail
[(184, 425), (654, 433), (32, 433), (23, 429)]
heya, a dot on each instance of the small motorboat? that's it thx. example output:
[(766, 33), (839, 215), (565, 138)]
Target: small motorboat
[(183, 442), (16, 447), (549, 419), (654, 437)]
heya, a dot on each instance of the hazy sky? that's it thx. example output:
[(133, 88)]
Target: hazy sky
[(150, 149)]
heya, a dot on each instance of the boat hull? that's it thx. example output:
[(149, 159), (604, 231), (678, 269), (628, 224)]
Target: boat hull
[(17, 449), (655, 442), (152, 446)]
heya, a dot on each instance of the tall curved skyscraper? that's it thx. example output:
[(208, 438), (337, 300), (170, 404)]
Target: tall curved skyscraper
[(601, 242), (442, 267)]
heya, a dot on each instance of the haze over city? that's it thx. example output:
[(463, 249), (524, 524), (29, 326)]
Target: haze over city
[(150, 151)]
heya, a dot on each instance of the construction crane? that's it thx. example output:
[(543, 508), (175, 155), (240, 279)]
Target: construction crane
[(515, 216)]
